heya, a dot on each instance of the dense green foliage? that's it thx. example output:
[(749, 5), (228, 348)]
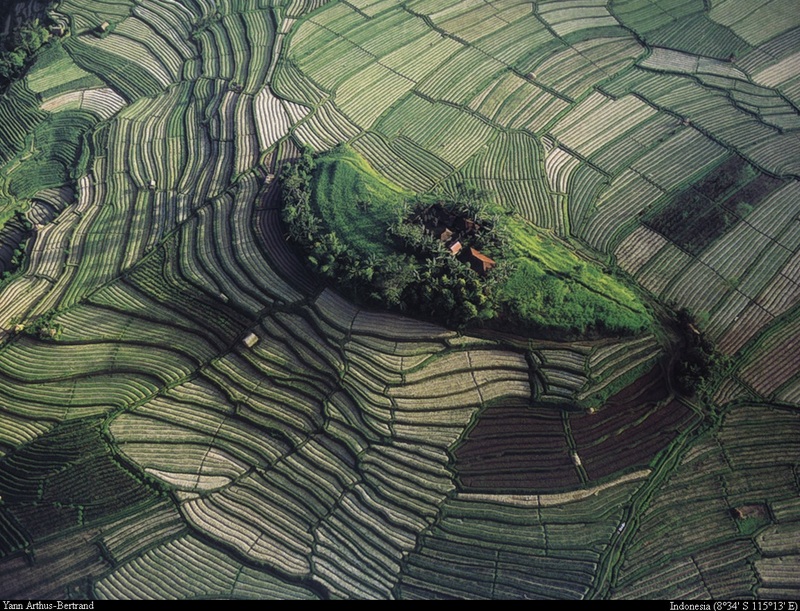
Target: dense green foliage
[(371, 237), (357, 230), (14, 234), (699, 365), (18, 47), (44, 327), (543, 300)]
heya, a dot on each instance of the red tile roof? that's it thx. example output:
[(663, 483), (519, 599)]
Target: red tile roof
[(480, 262)]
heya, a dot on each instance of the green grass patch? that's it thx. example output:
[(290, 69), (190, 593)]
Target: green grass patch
[(749, 526), (751, 518), (356, 202), (552, 289)]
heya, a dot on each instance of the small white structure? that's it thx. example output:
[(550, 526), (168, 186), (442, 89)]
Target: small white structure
[(152, 184), (251, 340), (576, 459)]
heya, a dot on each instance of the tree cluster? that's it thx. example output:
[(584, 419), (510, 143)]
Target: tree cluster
[(42, 327), (414, 229), (443, 285), (699, 363), (16, 231), (17, 47), (419, 276)]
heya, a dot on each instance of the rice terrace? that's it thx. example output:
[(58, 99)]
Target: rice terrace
[(308, 299)]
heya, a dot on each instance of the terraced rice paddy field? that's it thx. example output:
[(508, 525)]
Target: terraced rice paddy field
[(185, 411)]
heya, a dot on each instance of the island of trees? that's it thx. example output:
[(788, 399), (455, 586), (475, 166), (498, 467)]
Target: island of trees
[(18, 47), (452, 256)]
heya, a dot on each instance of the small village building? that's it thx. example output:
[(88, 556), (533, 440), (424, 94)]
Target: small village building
[(755, 510), (103, 27), (251, 340), (479, 262), (455, 248), (446, 235)]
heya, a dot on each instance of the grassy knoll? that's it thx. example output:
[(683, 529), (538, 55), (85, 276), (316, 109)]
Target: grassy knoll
[(372, 238), (551, 289), (355, 201)]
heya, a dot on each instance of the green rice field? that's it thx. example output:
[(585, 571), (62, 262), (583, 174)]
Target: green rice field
[(188, 410)]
